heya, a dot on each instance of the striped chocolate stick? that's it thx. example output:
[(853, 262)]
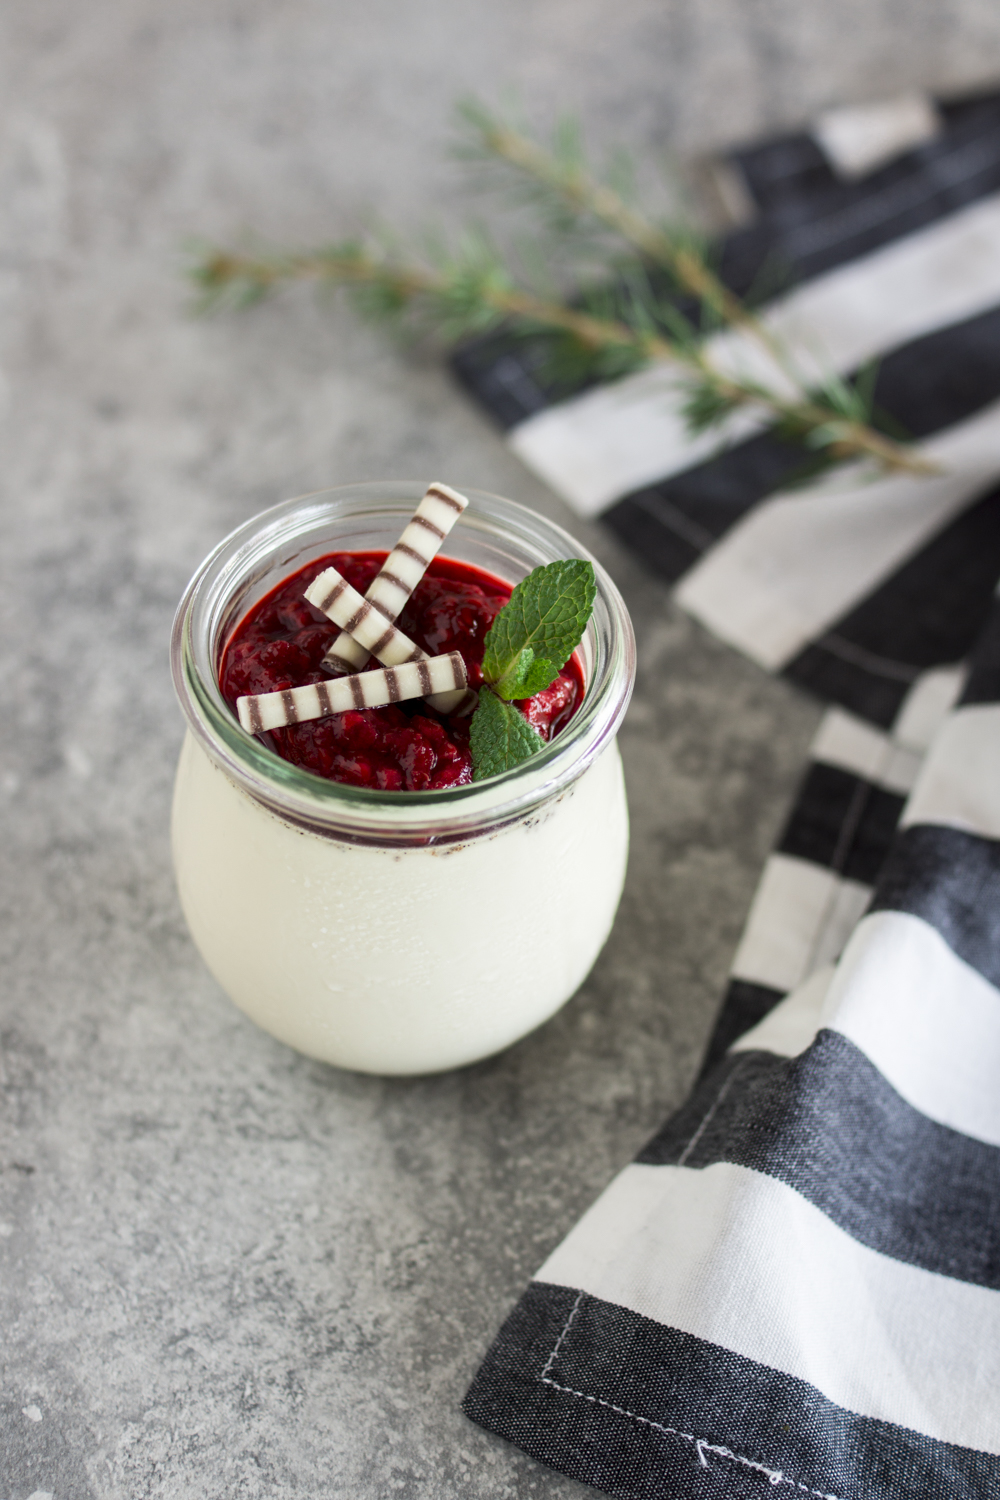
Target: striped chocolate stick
[(413, 679), (366, 621), (402, 570)]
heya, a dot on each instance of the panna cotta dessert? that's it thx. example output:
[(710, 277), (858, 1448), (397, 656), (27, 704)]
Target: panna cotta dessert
[(389, 855)]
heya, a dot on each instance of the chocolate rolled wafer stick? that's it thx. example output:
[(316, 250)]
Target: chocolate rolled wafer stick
[(366, 621), (402, 570), (361, 618), (316, 700)]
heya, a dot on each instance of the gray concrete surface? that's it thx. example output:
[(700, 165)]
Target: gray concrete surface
[(226, 1270)]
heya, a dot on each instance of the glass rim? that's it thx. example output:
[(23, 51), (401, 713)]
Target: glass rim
[(368, 814)]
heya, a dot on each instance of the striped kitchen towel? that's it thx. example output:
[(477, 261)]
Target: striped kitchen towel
[(796, 1286)]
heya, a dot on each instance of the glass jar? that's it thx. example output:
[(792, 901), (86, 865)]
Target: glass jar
[(395, 932)]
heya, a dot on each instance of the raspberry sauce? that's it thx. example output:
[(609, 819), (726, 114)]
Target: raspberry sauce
[(404, 746)]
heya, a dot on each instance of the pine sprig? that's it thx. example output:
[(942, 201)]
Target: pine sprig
[(467, 293), (838, 416), (619, 320)]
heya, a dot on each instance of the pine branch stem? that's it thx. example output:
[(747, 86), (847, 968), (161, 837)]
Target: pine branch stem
[(412, 281), (584, 193), (409, 283)]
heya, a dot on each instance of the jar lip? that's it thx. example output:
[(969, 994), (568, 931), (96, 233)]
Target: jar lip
[(430, 816)]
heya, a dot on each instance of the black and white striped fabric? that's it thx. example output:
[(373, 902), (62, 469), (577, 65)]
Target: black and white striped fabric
[(796, 1286)]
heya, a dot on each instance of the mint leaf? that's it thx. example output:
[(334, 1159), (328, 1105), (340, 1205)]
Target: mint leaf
[(528, 676), (531, 639), (500, 737), (546, 615)]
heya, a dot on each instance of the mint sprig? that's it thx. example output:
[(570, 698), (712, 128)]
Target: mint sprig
[(530, 641), (500, 737)]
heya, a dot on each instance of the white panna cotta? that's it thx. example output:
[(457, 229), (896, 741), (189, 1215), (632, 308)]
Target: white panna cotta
[(398, 960), (386, 931)]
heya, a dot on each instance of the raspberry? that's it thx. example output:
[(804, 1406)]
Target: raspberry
[(297, 614), (358, 730), (354, 770), (415, 757), (283, 659), (547, 710), (314, 640)]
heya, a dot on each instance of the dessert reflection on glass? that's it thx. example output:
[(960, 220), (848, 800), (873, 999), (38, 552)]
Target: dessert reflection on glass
[(399, 825)]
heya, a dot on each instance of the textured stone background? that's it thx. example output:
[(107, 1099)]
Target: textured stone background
[(228, 1271)]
